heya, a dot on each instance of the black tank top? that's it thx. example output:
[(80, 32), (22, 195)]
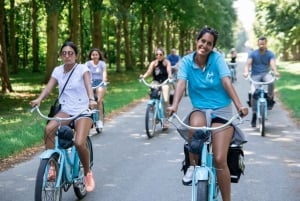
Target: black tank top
[(160, 72)]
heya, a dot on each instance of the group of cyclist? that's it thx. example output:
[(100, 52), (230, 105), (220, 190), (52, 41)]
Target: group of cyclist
[(204, 69)]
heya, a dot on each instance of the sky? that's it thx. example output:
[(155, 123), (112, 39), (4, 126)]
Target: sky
[(246, 12)]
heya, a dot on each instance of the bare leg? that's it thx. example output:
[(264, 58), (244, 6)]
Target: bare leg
[(82, 127), (100, 94), (196, 119), (221, 142)]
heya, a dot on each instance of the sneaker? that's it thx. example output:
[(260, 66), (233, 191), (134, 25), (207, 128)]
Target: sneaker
[(89, 182), (253, 121), (99, 124), (165, 126), (187, 178), (51, 173)]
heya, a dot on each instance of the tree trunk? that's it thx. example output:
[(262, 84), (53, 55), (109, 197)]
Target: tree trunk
[(128, 61), (35, 44), (6, 86), (74, 24), (52, 40), (118, 46), (13, 39)]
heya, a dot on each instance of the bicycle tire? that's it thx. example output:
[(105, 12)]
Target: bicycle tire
[(79, 186), (150, 121), (202, 190), (262, 119), (44, 186)]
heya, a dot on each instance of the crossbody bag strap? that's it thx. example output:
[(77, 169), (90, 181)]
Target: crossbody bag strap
[(65, 85)]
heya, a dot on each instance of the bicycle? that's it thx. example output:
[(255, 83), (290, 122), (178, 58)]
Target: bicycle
[(96, 114), (63, 162), (262, 103), (232, 68), (204, 181), (155, 108)]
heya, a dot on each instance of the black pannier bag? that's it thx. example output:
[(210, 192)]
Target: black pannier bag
[(235, 161)]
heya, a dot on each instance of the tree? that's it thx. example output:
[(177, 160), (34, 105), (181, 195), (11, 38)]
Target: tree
[(6, 86)]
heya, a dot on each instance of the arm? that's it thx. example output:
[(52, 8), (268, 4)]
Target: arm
[(233, 95), (104, 74), (44, 94), (274, 67), (180, 87), (149, 71), (248, 67), (169, 68), (89, 90)]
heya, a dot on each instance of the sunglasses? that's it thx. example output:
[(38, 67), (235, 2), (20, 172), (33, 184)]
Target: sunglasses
[(69, 53)]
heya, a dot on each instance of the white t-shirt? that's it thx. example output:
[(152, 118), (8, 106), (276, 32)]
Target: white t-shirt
[(74, 98)]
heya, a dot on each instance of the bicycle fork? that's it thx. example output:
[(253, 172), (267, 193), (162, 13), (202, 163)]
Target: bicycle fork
[(205, 172)]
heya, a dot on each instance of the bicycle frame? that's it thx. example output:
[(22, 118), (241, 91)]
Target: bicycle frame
[(204, 176)]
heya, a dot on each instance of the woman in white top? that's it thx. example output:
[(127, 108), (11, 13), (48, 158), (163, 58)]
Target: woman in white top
[(97, 68), (77, 96)]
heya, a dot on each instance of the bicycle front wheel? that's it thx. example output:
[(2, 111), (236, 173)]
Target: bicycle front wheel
[(46, 180), (150, 121), (262, 119), (202, 190)]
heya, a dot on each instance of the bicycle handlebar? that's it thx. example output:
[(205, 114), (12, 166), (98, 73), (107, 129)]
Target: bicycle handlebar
[(262, 83), (155, 85), (205, 128), (59, 119), (101, 84)]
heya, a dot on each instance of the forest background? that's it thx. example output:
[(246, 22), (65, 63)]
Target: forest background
[(127, 31)]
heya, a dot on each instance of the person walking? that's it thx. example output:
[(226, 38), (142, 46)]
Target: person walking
[(76, 97), (211, 93), (259, 63)]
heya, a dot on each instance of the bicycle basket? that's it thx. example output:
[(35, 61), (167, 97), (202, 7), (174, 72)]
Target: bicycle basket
[(65, 137), (154, 93)]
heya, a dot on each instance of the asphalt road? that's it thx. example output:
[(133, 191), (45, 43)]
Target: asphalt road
[(130, 167)]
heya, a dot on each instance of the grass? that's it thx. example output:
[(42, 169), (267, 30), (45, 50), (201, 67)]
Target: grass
[(288, 87), (19, 129)]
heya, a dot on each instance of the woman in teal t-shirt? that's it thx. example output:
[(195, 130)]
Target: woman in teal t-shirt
[(211, 93)]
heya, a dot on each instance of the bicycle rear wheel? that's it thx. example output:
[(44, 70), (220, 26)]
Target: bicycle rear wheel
[(262, 119), (78, 185), (46, 180), (202, 190), (150, 121)]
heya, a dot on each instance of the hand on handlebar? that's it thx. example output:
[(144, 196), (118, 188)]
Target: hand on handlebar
[(243, 111)]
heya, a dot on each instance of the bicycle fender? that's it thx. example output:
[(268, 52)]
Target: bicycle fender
[(48, 153), (201, 173)]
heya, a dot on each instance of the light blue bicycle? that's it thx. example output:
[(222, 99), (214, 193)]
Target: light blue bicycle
[(204, 182), (60, 168), (155, 108), (262, 103)]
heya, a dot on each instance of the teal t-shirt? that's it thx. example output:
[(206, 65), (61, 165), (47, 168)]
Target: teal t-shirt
[(205, 87)]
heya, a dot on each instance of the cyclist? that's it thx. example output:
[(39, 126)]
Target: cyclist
[(174, 59), (233, 55), (259, 63), (76, 97), (160, 68), (211, 93), (98, 71)]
